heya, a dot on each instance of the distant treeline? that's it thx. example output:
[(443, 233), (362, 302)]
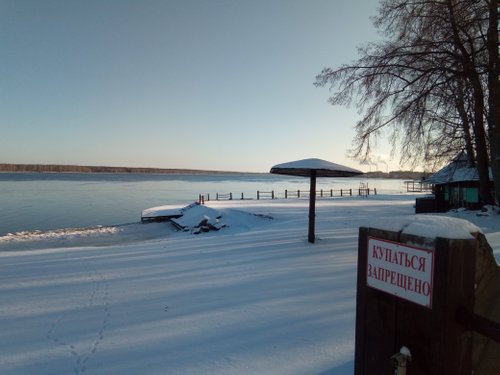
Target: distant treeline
[(403, 175), (52, 168)]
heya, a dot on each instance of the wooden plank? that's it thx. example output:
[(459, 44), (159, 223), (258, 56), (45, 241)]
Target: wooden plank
[(457, 343), (480, 324), (433, 336)]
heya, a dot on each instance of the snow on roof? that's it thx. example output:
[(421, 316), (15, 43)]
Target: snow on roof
[(428, 226), (454, 173), (459, 170), (324, 168)]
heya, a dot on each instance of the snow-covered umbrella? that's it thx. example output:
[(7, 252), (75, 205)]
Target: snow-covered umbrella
[(313, 168)]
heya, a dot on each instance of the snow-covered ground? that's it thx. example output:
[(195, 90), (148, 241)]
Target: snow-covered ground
[(252, 298)]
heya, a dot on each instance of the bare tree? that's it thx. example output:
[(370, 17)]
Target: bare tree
[(425, 83), (465, 21), (494, 92)]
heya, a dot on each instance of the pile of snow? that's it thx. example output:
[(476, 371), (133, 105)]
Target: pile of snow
[(201, 218), (428, 226), (197, 218)]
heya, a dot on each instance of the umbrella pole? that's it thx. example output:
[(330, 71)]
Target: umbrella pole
[(312, 206)]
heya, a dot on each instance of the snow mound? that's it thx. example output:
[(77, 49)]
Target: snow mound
[(201, 218), (198, 217), (428, 226)]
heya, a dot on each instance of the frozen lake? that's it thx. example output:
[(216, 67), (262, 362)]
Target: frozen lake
[(48, 201)]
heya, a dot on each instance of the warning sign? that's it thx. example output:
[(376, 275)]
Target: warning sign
[(401, 270)]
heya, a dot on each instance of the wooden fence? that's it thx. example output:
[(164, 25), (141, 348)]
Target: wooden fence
[(224, 196), (322, 193), (265, 194), (413, 186)]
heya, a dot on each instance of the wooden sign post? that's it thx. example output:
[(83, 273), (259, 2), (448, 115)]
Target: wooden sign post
[(409, 290)]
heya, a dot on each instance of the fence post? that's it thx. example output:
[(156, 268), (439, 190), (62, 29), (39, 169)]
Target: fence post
[(272, 194), (258, 196), (331, 193), (230, 196), (286, 194), (298, 193), (216, 196), (341, 193), (242, 196)]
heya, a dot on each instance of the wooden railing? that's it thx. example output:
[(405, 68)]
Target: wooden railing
[(322, 193), (265, 194), (413, 186), (226, 196)]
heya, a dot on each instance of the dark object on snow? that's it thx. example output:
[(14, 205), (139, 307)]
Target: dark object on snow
[(206, 226)]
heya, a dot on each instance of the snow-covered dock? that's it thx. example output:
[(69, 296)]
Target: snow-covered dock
[(163, 213)]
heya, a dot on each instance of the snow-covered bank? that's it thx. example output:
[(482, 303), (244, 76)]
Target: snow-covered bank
[(252, 298), (90, 236)]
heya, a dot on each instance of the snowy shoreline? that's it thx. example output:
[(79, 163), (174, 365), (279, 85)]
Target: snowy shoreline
[(253, 297)]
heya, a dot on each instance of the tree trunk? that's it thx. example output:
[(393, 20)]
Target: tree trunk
[(494, 96), (460, 104), (481, 144), (467, 62)]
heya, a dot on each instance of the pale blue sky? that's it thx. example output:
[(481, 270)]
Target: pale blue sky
[(205, 84)]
